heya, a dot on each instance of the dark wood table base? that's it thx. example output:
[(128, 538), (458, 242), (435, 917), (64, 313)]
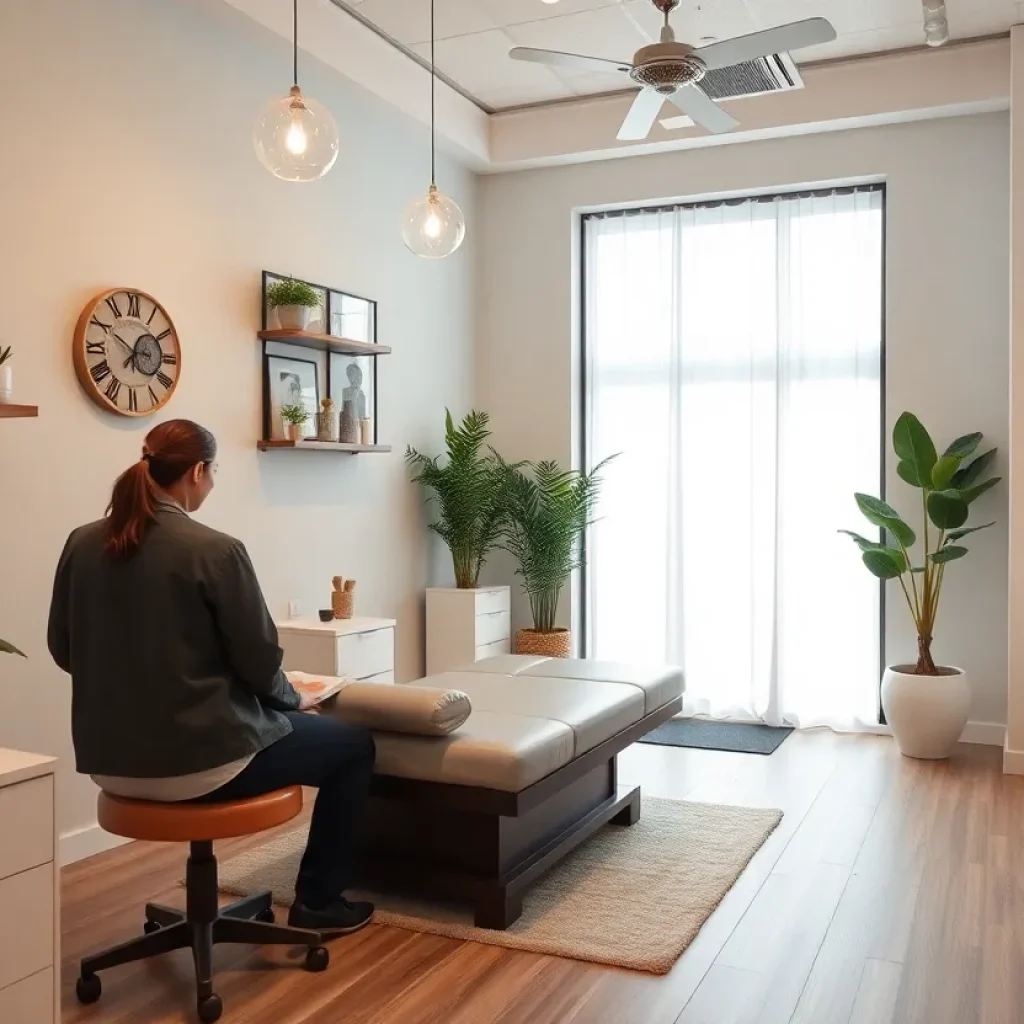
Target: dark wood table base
[(486, 846)]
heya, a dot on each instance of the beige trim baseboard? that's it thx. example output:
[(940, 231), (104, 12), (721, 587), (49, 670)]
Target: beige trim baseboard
[(85, 842), (1013, 761), (992, 734)]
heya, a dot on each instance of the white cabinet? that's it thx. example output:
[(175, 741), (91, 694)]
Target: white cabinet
[(29, 891), (359, 648), (464, 626)]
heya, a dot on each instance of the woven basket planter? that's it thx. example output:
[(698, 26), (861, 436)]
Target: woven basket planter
[(556, 644)]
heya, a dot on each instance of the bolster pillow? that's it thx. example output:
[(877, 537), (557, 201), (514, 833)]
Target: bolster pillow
[(420, 710)]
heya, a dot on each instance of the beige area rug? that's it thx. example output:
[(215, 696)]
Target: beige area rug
[(632, 897)]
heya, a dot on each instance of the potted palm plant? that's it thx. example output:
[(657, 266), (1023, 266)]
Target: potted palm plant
[(293, 301), (926, 705), (466, 489), (545, 514)]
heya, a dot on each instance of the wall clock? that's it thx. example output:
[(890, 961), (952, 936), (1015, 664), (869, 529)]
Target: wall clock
[(126, 352)]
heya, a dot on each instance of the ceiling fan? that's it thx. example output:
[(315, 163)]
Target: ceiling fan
[(668, 70)]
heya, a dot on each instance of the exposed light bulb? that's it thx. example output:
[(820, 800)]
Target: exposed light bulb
[(433, 226), (296, 140)]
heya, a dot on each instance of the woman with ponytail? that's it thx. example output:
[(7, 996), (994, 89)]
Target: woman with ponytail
[(177, 688)]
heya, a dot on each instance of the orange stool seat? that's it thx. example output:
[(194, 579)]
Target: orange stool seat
[(191, 823)]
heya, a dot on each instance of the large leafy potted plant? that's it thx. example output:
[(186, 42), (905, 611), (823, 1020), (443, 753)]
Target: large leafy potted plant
[(466, 489), (926, 705), (545, 513)]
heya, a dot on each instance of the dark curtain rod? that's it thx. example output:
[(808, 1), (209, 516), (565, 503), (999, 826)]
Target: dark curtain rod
[(713, 204)]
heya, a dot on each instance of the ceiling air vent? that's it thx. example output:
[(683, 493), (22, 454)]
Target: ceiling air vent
[(777, 73)]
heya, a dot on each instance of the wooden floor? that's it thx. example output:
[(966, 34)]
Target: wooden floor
[(892, 893)]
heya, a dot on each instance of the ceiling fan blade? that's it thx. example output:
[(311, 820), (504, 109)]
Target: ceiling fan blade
[(641, 115), (693, 100), (762, 44), (567, 60)]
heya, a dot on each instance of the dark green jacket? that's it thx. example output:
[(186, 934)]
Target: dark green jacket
[(174, 661)]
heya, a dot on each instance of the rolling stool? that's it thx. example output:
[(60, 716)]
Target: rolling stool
[(202, 925)]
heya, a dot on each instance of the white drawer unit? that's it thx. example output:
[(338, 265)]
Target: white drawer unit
[(359, 648), (29, 891), (464, 626)]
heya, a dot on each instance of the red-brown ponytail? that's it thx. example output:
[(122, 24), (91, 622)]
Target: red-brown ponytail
[(169, 452)]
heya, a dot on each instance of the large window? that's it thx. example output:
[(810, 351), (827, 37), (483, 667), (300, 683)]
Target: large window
[(733, 356)]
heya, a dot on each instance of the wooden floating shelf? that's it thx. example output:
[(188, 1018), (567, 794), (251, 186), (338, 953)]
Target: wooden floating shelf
[(320, 446), (326, 343), (10, 412)]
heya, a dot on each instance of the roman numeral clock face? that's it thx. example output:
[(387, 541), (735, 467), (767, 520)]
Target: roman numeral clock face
[(126, 352)]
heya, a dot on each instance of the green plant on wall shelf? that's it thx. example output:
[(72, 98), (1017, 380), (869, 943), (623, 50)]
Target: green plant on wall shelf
[(466, 490), (290, 292), (294, 414), (545, 515), (948, 485)]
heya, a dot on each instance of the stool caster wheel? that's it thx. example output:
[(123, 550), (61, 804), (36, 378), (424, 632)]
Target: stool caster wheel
[(88, 988), (210, 1009), (150, 926), (317, 959), (266, 916)]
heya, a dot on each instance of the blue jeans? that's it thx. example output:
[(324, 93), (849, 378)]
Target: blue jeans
[(335, 758)]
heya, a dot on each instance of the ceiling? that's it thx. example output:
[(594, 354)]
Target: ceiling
[(474, 36)]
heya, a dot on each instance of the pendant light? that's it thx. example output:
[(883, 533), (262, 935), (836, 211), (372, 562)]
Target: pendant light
[(433, 226), (295, 137)]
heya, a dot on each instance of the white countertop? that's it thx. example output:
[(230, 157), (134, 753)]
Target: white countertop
[(337, 627), (17, 766)]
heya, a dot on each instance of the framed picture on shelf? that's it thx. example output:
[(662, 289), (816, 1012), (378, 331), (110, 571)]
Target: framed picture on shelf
[(354, 381), (291, 382), (318, 318), (352, 317)]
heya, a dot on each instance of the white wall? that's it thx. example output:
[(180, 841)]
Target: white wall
[(127, 161), (947, 326)]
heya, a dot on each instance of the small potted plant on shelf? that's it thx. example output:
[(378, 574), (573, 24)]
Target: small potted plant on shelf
[(466, 489), (926, 705), (293, 301), (294, 417), (545, 514), (6, 376)]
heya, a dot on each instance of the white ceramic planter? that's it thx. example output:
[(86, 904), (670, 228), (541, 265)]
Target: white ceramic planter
[(6, 384), (927, 714), (293, 318), (295, 431)]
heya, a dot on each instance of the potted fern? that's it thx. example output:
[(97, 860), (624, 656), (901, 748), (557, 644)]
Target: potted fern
[(545, 514), (466, 489), (926, 705), (293, 301)]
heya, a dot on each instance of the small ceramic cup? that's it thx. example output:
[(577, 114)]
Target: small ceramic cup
[(326, 614)]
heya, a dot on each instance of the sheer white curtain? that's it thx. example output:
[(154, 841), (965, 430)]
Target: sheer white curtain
[(733, 358)]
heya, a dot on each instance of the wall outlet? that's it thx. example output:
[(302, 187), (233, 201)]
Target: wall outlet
[(294, 608)]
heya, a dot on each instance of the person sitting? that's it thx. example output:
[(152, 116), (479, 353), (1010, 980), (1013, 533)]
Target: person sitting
[(177, 687)]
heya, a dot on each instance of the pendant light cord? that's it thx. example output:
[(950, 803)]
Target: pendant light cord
[(433, 79), (295, 42)]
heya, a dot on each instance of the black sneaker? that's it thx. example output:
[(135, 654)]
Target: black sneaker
[(340, 918)]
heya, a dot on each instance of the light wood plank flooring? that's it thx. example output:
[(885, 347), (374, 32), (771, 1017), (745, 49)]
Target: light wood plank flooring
[(892, 893)]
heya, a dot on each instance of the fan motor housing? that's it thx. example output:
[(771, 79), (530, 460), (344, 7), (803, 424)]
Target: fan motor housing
[(666, 67)]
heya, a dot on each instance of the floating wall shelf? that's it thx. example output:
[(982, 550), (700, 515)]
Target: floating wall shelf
[(326, 343), (10, 412), (320, 446)]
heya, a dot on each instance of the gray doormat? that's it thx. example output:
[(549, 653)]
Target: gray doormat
[(739, 737)]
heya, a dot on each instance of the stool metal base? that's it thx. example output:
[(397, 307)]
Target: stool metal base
[(200, 927)]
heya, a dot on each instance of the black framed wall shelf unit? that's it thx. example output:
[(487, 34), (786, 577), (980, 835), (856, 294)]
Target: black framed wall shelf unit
[(334, 357)]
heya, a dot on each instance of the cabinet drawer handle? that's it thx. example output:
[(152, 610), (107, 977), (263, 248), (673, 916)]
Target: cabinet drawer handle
[(500, 611)]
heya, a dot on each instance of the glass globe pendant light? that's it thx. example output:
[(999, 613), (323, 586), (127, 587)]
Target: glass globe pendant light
[(295, 137), (433, 225)]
